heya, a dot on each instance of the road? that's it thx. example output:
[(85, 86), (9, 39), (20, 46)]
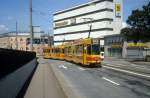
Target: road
[(102, 82), (129, 66)]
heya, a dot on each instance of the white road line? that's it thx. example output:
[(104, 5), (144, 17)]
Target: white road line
[(82, 69), (107, 63), (115, 64), (129, 72), (62, 66), (121, 64), (110, 81), (133, 65)]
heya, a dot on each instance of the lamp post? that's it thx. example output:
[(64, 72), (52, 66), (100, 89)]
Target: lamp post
[(90, 25), (31, 28)]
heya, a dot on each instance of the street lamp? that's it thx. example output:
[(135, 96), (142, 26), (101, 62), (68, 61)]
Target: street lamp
[(90, 24)]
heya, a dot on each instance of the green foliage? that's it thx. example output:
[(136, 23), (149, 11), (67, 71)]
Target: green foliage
[(139, 22)]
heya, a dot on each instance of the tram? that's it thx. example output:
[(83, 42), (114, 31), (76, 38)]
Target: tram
[(82, 51), (47, 52)]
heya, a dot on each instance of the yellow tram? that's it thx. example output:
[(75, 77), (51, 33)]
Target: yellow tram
[(47, 52), (83, 51), (87, 51)]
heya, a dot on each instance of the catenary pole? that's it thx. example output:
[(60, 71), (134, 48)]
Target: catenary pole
[(31, 27)]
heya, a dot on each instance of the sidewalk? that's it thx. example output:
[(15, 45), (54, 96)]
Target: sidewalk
[(44, 84)]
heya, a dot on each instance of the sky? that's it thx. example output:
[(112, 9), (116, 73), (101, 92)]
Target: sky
[(18, 10)]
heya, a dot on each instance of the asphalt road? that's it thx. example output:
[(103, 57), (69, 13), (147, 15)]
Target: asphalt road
[(122, 64), (102, 82)]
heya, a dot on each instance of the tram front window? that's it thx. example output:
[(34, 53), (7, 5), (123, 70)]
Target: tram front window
[(93, 49)]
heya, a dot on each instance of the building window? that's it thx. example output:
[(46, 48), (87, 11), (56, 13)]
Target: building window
[(21, 48), (21, 39), (36, 41), (28, 41), (27, 48)]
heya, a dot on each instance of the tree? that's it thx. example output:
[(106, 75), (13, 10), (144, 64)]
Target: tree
[(139, 22)]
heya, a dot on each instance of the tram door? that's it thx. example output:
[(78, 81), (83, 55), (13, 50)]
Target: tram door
[(84, 53)]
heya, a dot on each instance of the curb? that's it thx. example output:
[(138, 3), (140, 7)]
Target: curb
[(66, 85)]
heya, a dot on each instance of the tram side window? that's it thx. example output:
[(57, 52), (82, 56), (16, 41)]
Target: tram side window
[(69, 50), (44, 50), (76, 48), (62, 50), (57, 50), (65, 50), (73, 50), (47, 50), (80, 49), (89, 49)]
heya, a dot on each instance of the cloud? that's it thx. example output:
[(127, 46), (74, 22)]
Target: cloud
[(3, 28), (124, 25)]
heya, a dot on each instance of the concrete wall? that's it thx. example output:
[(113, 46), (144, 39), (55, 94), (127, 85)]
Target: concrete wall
[(11, 85)]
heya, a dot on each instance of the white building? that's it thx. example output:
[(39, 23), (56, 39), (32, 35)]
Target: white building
[(104, 16)]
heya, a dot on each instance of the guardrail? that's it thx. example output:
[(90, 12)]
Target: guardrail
[(16, 70), (10, 60)]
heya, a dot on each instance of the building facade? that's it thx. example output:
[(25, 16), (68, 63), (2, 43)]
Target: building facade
[(117, 46), (21, 41), (99, 17)]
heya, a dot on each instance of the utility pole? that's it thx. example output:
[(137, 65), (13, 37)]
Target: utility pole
[(31, 27), (90, 31), (16, 35), (90, 25)]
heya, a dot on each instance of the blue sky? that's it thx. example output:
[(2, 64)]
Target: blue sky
[(12, 10)]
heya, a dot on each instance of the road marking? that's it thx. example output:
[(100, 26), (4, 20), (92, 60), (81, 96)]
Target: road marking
[(121, 65), (62, 66), (129, 72), (110, 81), (115, 64), (108, 64), (82, 69), (133, 64)]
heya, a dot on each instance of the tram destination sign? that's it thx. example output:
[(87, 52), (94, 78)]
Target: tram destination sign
[(96, 41)]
